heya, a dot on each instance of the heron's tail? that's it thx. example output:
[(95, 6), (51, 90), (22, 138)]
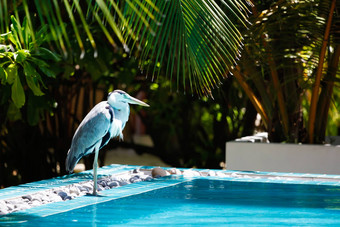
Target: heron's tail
[(71, 162)]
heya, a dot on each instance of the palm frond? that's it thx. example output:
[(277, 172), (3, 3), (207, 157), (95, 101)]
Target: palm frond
[(195, 41), (198, 40)]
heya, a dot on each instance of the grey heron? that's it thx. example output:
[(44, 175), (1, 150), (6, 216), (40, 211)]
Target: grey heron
[(106, 120)]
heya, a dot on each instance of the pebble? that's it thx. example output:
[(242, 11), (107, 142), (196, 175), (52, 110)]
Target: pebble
[(55, 198), (211, 173), (100, 188), (136, 171), (35, 203), (113, 184), (135, 179), (68, 198), (2, 204), (122, 183), (220, 174), (175, 171), (148, 178), (191, 173), (158, 172), (74, 191), (102, 183), (28, 197), (88, 186), (62, 194), (36, 198), (83, 189), (10, 207), (22, 206)]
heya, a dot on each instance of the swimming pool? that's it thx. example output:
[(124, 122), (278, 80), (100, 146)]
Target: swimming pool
[(180, 200)]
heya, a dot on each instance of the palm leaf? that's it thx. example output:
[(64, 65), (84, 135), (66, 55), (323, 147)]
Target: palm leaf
[(195, 41), (198, 41)]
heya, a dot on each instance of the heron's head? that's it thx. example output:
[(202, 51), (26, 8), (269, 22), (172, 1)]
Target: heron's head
[(119, 99)]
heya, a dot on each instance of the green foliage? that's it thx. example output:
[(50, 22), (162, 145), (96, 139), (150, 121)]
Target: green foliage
[(192, 132), (198, 38), (203, 43), (24, 67), (280, 63)]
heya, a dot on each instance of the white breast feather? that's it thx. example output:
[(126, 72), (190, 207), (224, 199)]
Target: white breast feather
[(116, 129)]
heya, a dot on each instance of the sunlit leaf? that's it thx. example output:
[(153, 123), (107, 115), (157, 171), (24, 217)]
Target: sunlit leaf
[(18, 94), (12, 73)]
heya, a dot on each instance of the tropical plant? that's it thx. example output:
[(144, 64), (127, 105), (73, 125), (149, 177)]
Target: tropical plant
[(199, 38), (191, 132), (24, 64), (291, 53)]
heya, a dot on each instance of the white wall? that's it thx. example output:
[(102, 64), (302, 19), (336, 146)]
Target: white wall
[(283, 157)]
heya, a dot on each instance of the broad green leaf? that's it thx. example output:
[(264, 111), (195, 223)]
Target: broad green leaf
[(12, 73), (32, 79), (18, 94)]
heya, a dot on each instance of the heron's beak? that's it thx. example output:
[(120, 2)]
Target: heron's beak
[(133, 100)]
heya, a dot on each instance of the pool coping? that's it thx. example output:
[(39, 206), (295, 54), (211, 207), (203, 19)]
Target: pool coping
[(116, 169), (141, 187)]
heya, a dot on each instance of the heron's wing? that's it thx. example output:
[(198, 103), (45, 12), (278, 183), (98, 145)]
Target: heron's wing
[(90, 132)]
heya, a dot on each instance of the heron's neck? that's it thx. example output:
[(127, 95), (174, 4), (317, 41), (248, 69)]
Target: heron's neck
[(122, 114)]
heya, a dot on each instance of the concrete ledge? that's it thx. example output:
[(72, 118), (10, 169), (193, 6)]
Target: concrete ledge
[(273, 157)]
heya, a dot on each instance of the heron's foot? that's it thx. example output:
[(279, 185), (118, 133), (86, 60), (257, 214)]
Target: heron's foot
[(93, 194)]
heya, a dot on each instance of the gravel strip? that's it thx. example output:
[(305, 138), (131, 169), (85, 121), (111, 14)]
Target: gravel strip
[(68, 192)]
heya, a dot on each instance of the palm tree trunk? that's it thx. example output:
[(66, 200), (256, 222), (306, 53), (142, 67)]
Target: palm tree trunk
[(251, 95), (316, 88), (325, 96)]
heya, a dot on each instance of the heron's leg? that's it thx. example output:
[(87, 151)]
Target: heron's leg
[(95, 167)]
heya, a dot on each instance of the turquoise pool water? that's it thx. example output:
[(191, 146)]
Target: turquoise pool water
[(200, 202)]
